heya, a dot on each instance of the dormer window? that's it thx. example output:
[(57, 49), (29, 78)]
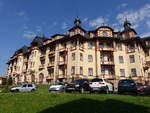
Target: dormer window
[(105, 34)]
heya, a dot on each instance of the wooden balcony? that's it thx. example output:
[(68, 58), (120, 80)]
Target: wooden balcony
[(106, 49), (108, 76), (63, 49), (81, 48), (51, 52), (62, 62), (107, 62), (50, 77), (41, 67), (61, 76), (146, 65), (42, 56), (51, 64), (73, 48), (130, 50), (31, 70)]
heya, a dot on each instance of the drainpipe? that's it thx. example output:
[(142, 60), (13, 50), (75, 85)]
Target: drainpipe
[(96, 48)]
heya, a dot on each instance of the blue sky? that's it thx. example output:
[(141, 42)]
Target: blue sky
[(21, 20)]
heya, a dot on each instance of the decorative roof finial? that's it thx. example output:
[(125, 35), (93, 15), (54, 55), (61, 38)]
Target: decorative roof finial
[(77, 21), (126, 23)]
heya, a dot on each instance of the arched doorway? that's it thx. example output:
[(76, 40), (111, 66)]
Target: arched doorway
[(32, 78), (41, 78)]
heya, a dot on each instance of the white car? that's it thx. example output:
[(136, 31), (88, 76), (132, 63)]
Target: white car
[(24, 88), (58, 87), (100, 84)]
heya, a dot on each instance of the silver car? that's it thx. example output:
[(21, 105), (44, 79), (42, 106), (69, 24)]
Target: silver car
[(58, 87), (24, 88)]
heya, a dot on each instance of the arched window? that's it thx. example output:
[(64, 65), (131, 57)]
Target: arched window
[(33, 78), (105, 33), (41, 78)]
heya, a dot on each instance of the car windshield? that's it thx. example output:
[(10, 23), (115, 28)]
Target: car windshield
[(80, 81), (24, 85), (128, 82), (139, 84), (97, 80), (60, 83)]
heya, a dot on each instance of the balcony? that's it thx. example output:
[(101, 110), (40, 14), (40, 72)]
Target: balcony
[(51, 52), (31, 70), (131, 50), (106, 49), (61, 76), (62, 49), (73, 48), (108, 76), (50, 77), (62, 62), (81, 48), (51, 64), (24, 70), (41, 66), (146, 65), (107, 62), (42, 56)]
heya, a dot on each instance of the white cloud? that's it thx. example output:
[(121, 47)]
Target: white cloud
[(23, 15), (38, 28), (85, 20), (29, 34), (135, 26), (145, 34), (97, 22), (135, 16), (64, 25), (148, 24), (123, 4), (116, 27)]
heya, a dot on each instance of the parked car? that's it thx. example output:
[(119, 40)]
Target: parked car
[(142, 89), (101, 85), (80, 85), (58, 87), (127, 86), (24, 88)]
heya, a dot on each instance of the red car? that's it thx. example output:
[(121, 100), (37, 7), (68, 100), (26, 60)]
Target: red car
[(142, 89)]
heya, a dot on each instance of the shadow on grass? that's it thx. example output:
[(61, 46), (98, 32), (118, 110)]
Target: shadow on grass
[(94, 106)]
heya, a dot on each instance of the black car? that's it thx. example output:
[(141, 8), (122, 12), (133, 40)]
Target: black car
[(127, 86), (80, 85)]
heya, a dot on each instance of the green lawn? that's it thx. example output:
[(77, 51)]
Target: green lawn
[(42, 101)]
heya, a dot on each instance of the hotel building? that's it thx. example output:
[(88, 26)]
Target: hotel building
[(79, 53)]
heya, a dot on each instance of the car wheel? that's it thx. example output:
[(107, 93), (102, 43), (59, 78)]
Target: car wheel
[(107, 91), (32, 90), (82, 90), (17, 90)]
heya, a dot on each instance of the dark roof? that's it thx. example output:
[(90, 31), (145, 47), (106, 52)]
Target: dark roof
[(146, 38), (126, 23), (75, 27), (128, 29), (38, 41)]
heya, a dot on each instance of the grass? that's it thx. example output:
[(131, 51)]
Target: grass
[(42, 101)]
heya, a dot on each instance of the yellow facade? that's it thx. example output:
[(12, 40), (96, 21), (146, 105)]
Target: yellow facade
[(99, 53)]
